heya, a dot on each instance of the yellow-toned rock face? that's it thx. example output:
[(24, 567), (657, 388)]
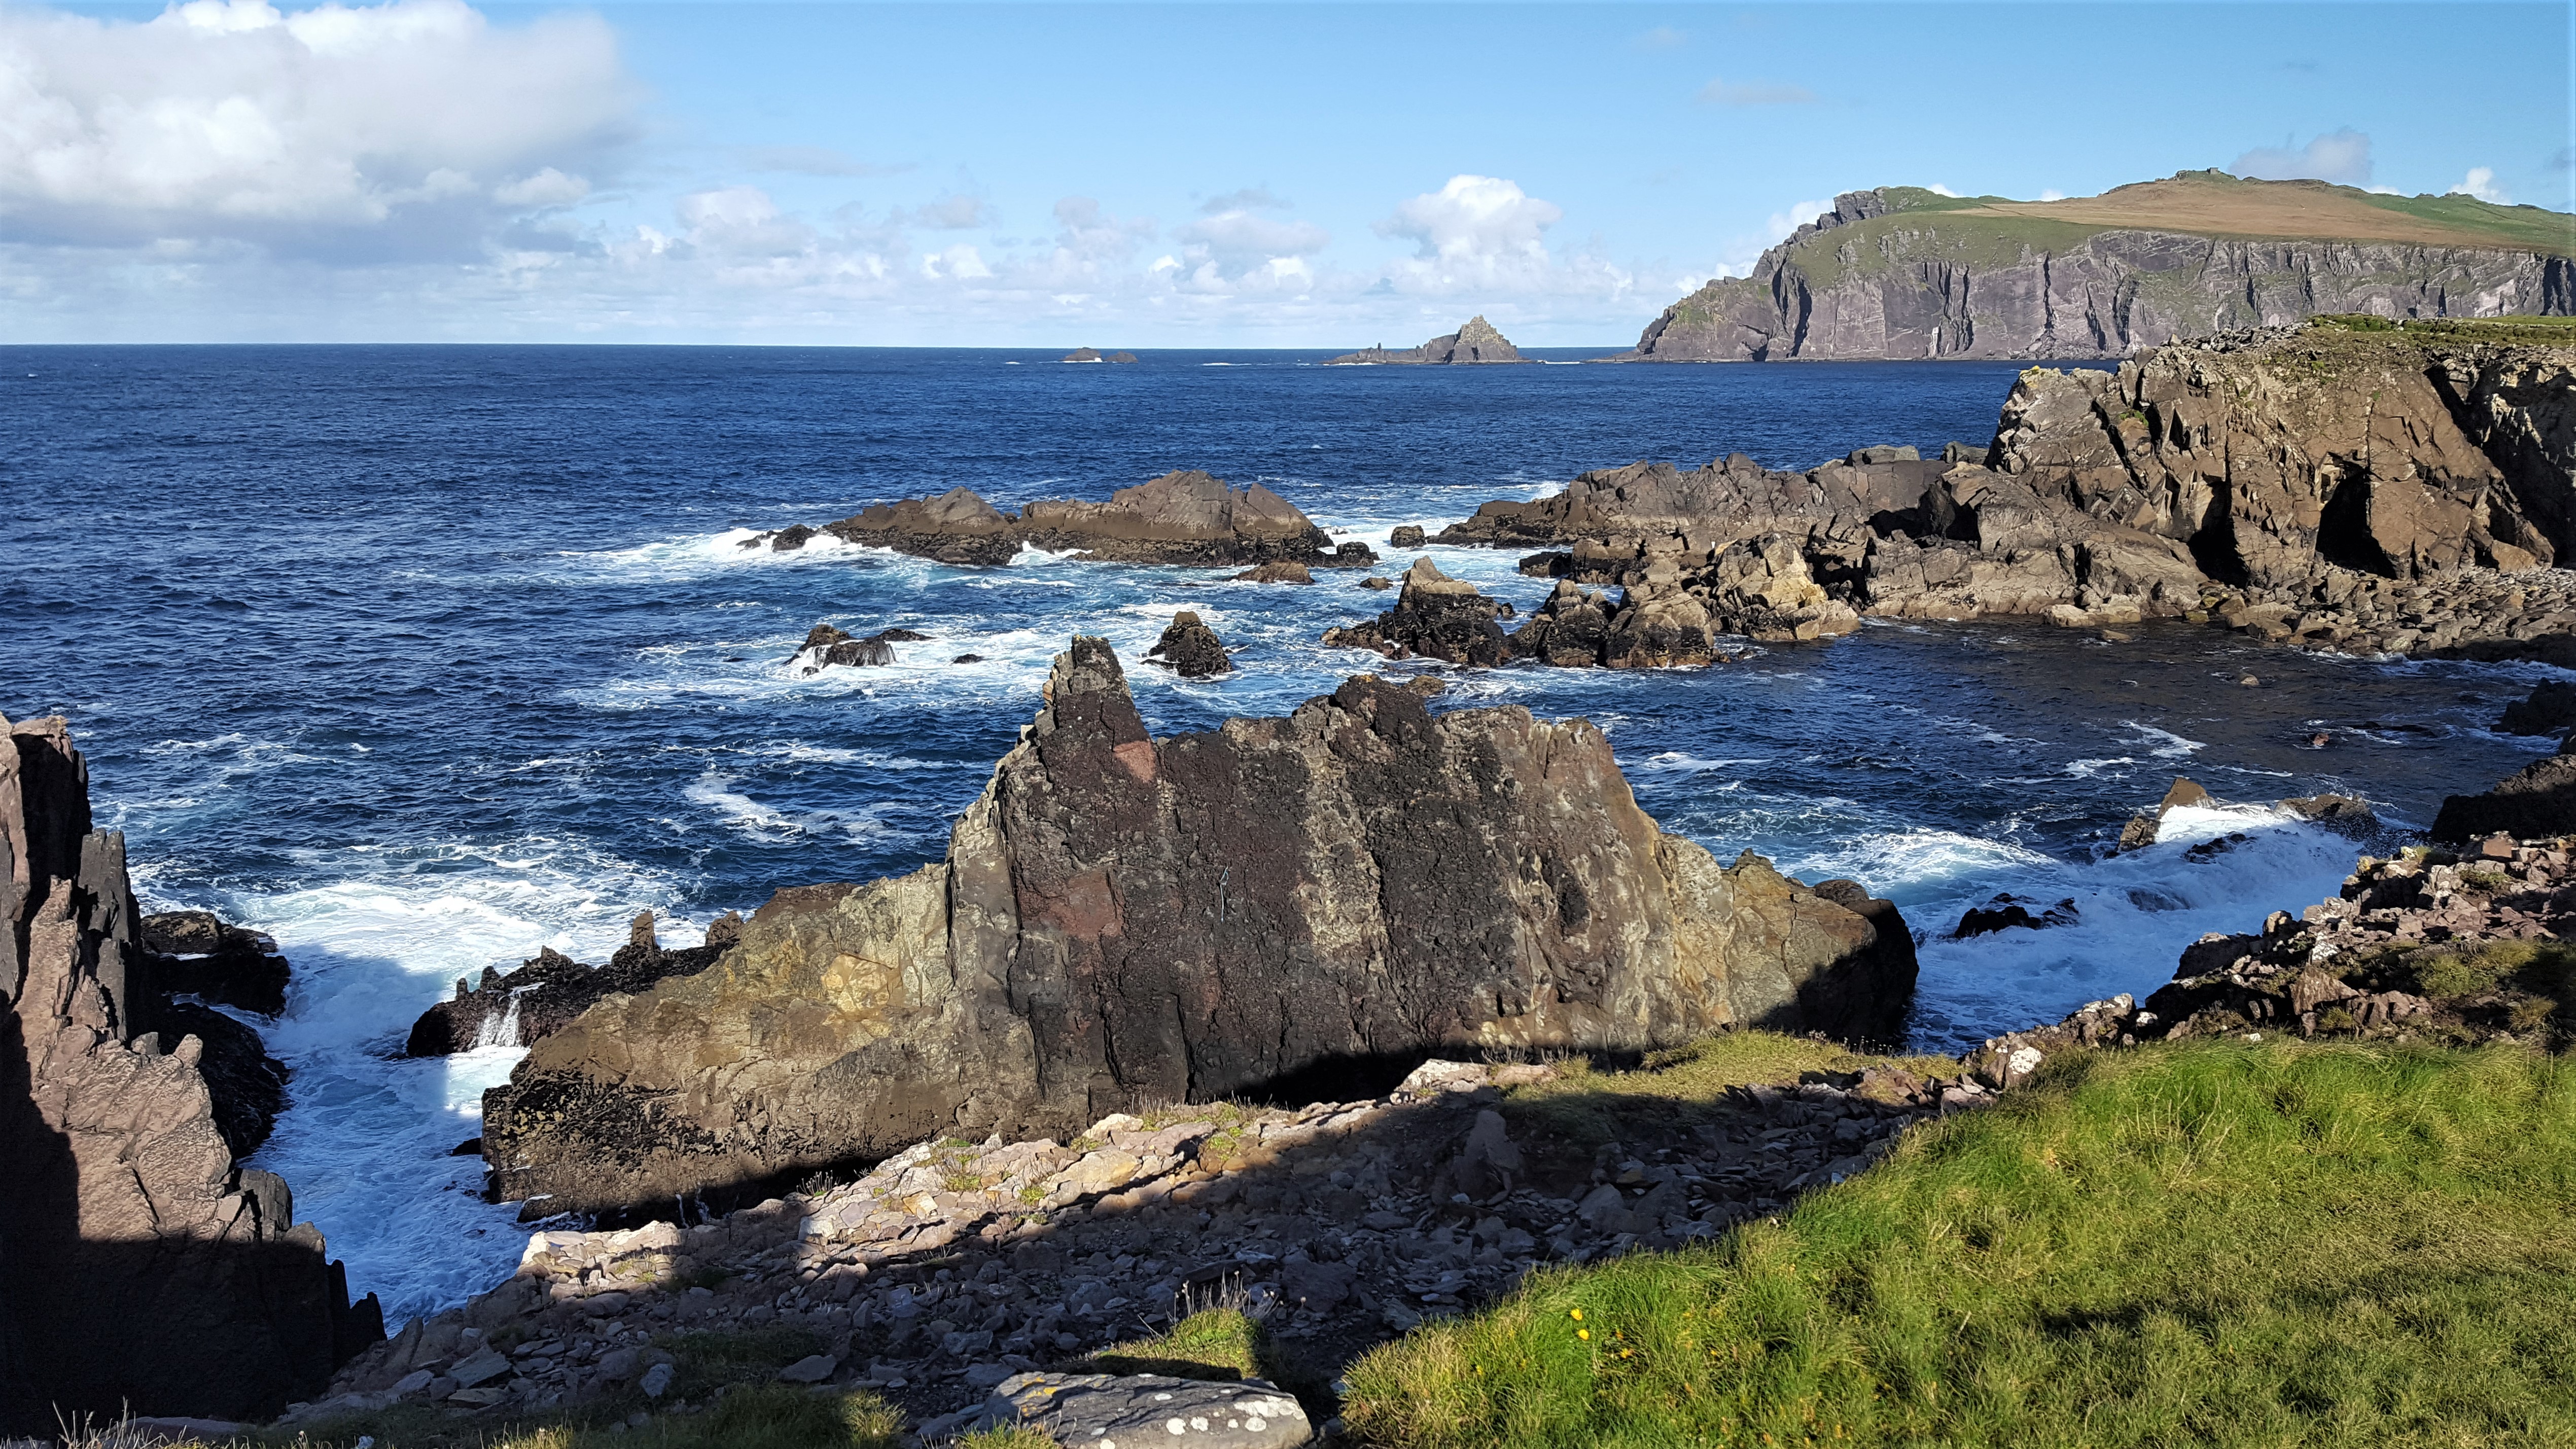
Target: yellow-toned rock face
[(1123, 921)]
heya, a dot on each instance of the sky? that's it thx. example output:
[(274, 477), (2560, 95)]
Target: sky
[(1136, 174)]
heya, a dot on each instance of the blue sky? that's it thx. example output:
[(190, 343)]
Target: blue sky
[(1137, 174)]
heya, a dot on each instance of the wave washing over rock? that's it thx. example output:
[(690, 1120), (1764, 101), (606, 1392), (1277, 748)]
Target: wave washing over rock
[(1123, 921)]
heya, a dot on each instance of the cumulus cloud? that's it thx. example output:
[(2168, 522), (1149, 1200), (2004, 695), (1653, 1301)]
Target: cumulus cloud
[(1238, 241), (2340, 156), (1782, 223), (1754, 93), (955, 212), (2480, 183), (341, 130), (1474, 219)]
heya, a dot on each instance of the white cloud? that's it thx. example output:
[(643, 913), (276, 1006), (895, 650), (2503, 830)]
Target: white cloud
[(1475, 219), (958, 263), (1754, 93), (1782, 223), (1238, 241), (338, 130), (2340, 156), (2052, 194), (954, 212), (1937, 189), (2480, 183)]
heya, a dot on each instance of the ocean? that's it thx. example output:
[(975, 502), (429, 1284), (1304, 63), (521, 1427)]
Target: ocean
[(422, 658)]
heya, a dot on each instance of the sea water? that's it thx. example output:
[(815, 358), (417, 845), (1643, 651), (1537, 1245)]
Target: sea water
[(423, 658)]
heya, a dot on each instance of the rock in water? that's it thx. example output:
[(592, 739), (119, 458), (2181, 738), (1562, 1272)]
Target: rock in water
[(2538, 799), (140, 1270), (1186, 518), (198, 955), (1475, 342), (1190, 648), (1406, 535), (1122, 921), (2549, 709), (2143, 827), (826, 646), (534, 1002), (957, 527), (1437, 617), (1285, 571)]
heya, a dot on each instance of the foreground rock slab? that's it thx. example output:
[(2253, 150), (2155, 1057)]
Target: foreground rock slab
[(1123, 921), (1106, 1410)]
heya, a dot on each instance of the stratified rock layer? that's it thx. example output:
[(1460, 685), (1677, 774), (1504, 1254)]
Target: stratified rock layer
[(1122, 921), (1902, 273), (139, 1269), (1474, 343)]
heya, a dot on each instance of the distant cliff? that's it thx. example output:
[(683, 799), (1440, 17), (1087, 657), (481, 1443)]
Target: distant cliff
[(1905, 273), (1478, 341)]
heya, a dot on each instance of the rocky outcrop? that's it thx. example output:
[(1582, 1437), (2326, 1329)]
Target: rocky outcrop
[(1282, 572), (826, 646), (1901, 273), (1186, 518), (1474, 343), (1190, 648), (2340, 484), (1086, 354), (1405, 535), (512, 1009), (140, 1269), (2549, 709), (1123, 921), (2537, 800), (195, 953), (1435, 617)]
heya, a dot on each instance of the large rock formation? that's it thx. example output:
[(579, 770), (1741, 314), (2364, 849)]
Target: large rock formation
[(2358, 484), (1435, 617), (1186, 518), (1905, 273), (510, 1009), (140, 1269), (1473, 343), (1123, 921)]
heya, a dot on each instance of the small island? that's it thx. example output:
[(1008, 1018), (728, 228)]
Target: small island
[(1088, 354), (1475, 342)]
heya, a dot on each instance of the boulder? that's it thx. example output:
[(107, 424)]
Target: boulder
[(1436, 617), (2538, 799), (196, 954), (2009, 912), (141, 1270), (1135, 1409), (1762, 588), (2550, 709), (1190, 648), (826, 646), (1570, 630), (1122, 921), (2142, 828), (512, 1009), (1406, 535), (1657, 627), (1283, 571)]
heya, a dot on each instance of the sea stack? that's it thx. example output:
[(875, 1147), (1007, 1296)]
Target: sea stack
[(1122, 920), (1476, 342)]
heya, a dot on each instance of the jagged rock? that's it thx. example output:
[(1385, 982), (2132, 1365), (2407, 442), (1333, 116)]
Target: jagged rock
[(1886, 273), (1285, 571), (1124, 921), (140, 1270), (2142, 828), (1657, 627), (1405, 535), (2008, 912), (2550, 709), (1436, 617), (1570, 630), (1762, 588), (1190, 648), (197, 954), (826, 646), (535, 1001), (2538, 799), (1473, 343)]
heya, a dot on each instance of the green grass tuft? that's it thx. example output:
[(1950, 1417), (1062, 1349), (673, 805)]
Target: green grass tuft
[(1215, 1343), (2201, 1244)]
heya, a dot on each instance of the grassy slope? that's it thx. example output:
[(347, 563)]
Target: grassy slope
[(2213, 1243)]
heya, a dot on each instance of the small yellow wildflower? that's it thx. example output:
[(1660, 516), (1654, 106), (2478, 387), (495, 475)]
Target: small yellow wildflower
[(1583, 1333)]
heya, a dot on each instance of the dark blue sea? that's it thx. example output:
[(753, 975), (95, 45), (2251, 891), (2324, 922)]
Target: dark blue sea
[(421, 658)]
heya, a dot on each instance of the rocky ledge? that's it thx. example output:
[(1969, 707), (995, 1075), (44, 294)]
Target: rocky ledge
[(2344, 486), (1477, 342), (144, 1270), (1438, 617), (508, 1009), (1123, 921), (1186, 518), (952, 1267)]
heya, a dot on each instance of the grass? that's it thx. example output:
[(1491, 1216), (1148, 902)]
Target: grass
[(1215, 1343), (2211, 1243)]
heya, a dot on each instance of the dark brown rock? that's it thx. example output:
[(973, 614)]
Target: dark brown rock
[(1436, 617), (1122, 921), (1190, 648), (826, 646), (1284, 571), (1405, 535), (1187, 518), (508, 1009), (2538, 799), (140, 1270), (1477, 342), (2142, 828), (957, 527), (2550, 709), (197, 954)]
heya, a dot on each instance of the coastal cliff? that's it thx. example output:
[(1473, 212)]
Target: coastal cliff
[(2349, 483), (1123, 921), (141, 1270), (1903, 273)]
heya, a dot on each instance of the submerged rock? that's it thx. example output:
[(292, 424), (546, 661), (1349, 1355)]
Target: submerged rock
[(145, 1272), (1123, 921), (1190, 648)]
